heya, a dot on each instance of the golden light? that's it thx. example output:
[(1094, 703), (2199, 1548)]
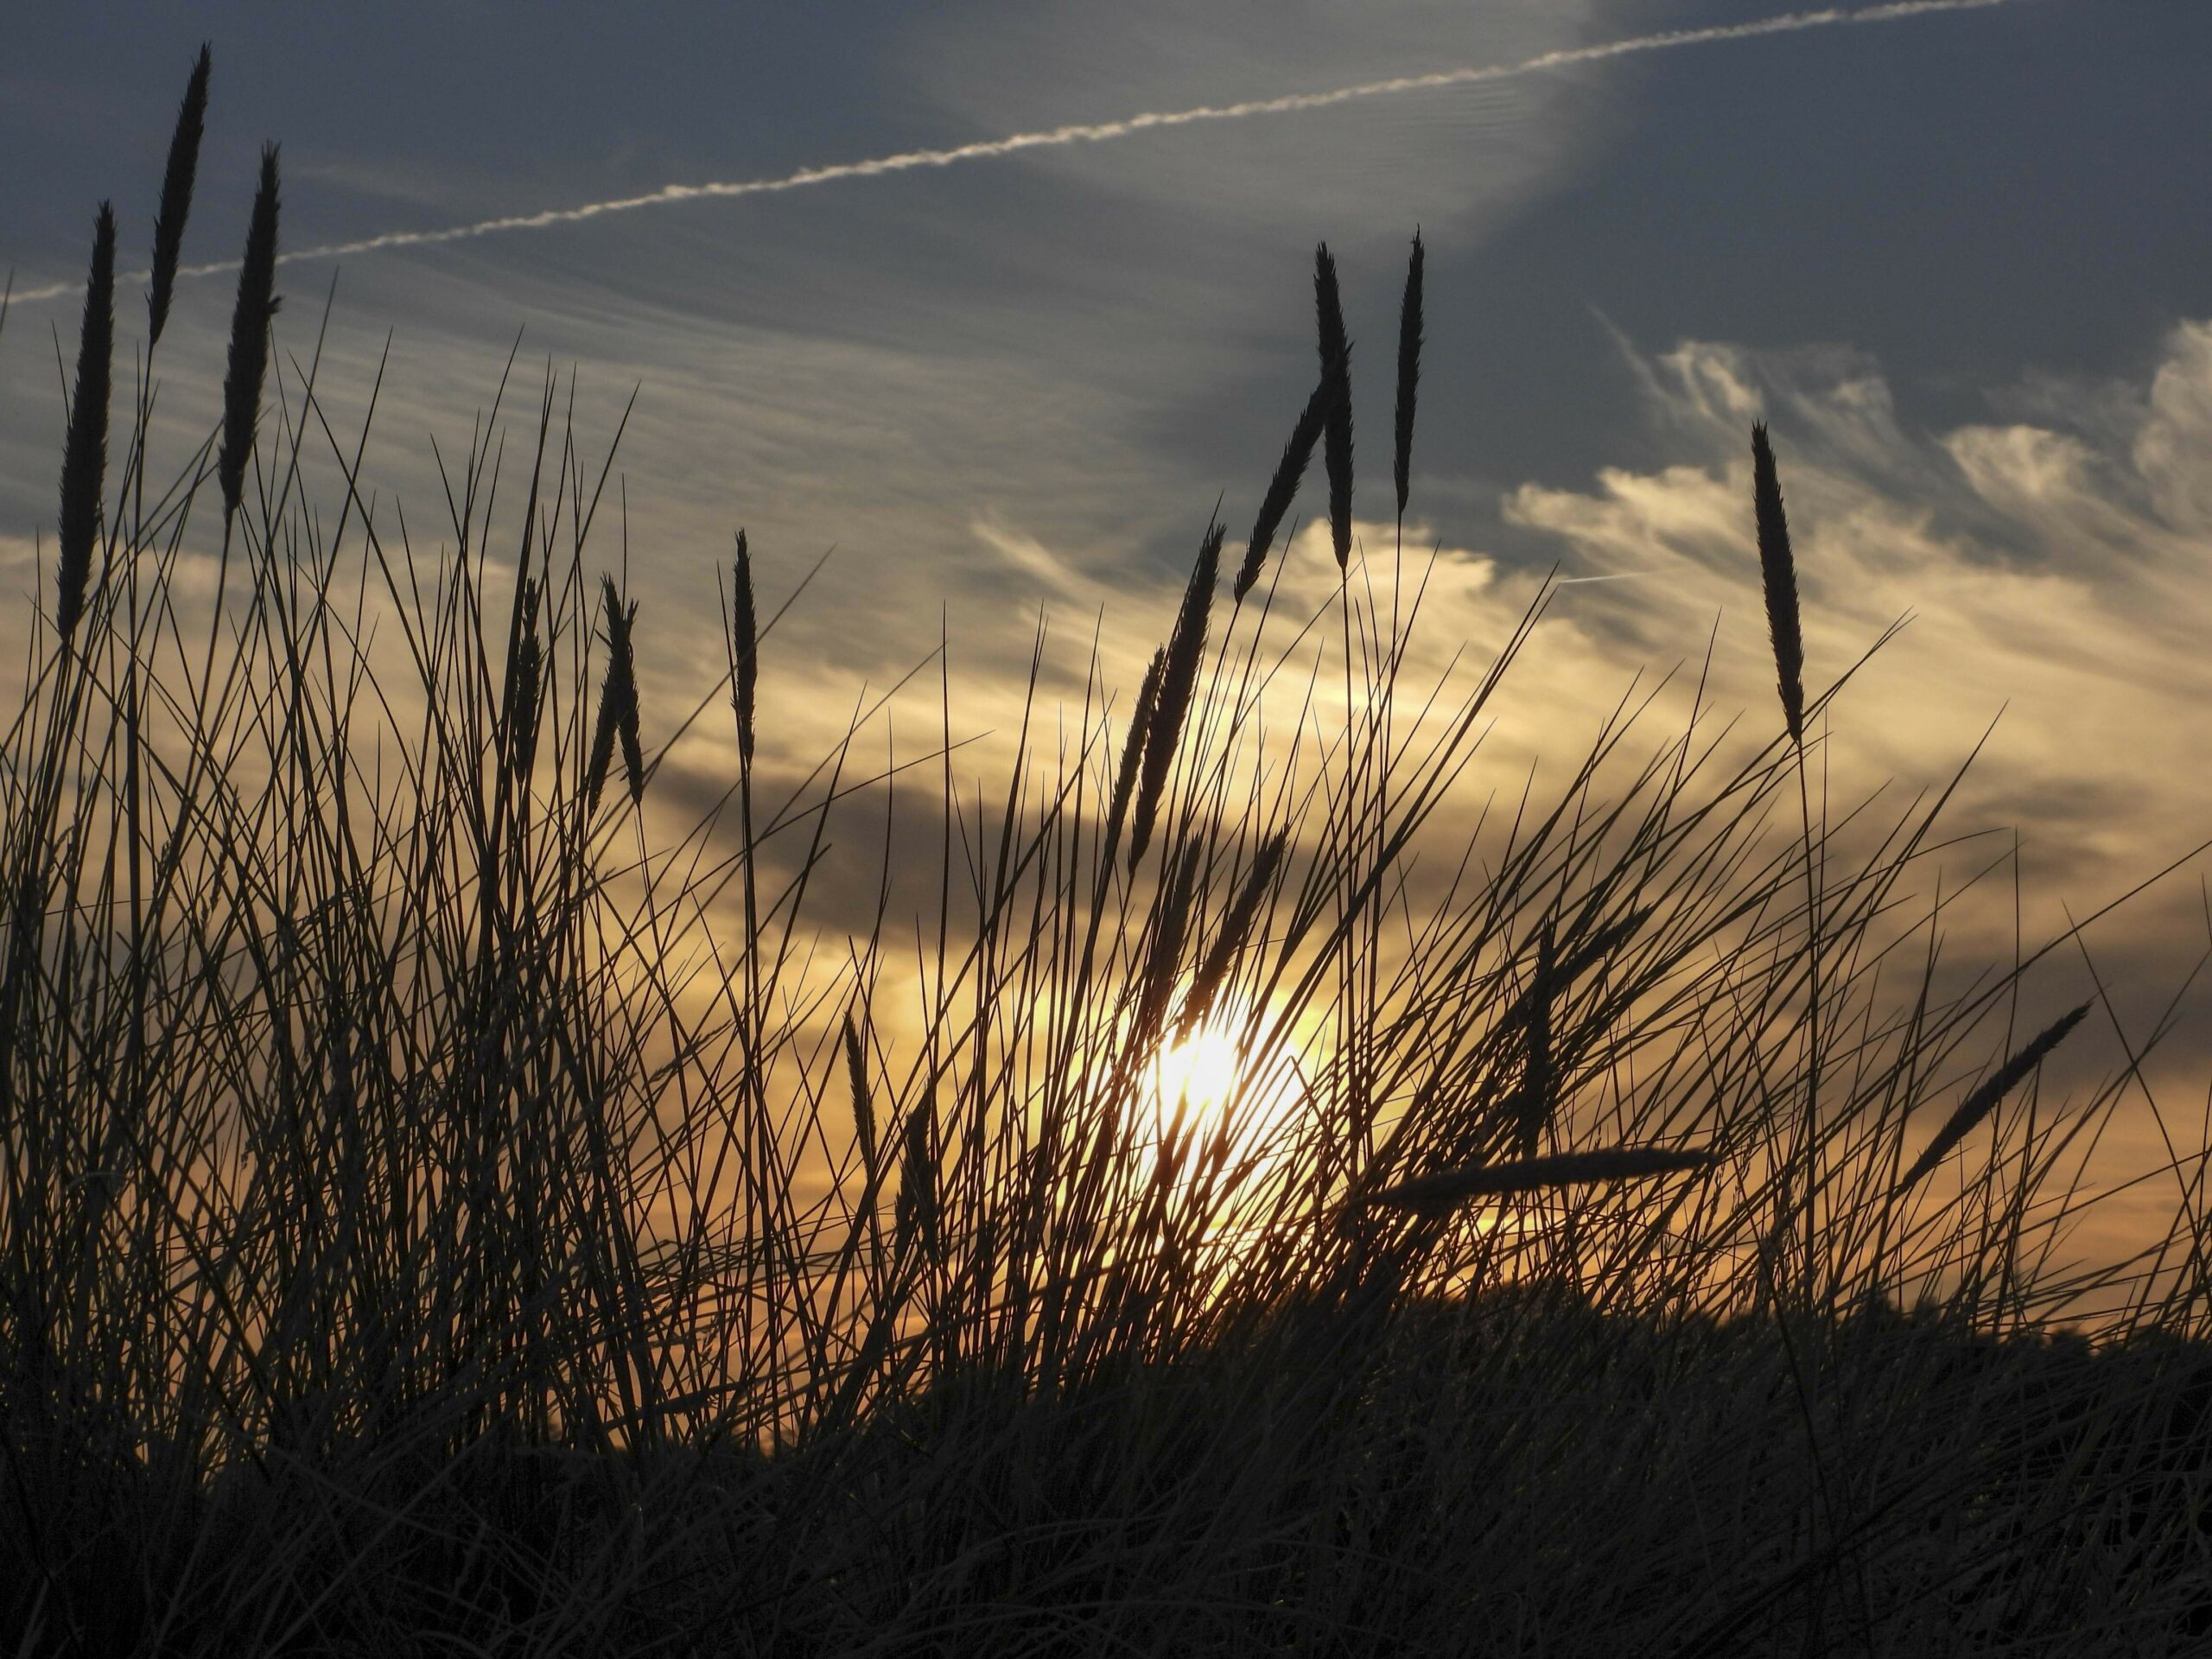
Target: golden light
[(1200, 1067), (1205, 1076)]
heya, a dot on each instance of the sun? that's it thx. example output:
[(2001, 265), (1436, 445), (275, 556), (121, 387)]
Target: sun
[(1205, 1078), (1200, 1066)]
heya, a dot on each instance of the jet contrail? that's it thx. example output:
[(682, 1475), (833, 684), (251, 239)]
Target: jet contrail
[(1617, 576), (1099, 133)]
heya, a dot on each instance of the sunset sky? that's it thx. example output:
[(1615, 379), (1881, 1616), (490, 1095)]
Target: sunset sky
[(1962, 260)]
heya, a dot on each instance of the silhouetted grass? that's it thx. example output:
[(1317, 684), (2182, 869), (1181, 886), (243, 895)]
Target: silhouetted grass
[(255, 310), (1282, 489), (1409, 327), (1336, 428), (177, 196), (448, 1206), (83, 455)]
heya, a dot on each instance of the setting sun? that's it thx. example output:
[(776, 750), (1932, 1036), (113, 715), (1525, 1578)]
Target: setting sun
[(1205, 1078), (1199, 1067)]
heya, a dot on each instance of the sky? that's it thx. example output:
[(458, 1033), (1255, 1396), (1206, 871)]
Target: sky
[(1959, 259)]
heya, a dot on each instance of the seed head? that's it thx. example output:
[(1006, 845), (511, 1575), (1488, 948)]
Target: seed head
[(177, 196), (84, 455), (1779, 575), (250, 319)]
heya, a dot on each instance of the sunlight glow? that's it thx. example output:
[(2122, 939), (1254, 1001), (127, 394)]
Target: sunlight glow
[(1202, 1065), (1219, 1091)]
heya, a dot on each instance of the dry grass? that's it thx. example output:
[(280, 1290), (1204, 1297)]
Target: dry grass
[(446, 1206)]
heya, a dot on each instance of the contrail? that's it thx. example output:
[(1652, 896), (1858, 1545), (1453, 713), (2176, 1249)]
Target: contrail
[(1098, 133), (1617, 576)]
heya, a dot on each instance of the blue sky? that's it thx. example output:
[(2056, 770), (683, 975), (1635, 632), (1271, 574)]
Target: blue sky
[(1962, 261)]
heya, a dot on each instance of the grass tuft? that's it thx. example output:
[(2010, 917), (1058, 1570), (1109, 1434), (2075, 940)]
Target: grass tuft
[(428, 1221)]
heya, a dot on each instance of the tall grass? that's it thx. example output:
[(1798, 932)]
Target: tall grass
[(448, 1206)]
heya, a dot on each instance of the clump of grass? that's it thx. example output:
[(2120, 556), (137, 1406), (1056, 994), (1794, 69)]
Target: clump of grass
[(430, 1218)]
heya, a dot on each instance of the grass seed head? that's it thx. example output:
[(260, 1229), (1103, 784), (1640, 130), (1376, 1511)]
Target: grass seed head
[(1984, 1100), (618, 705), (1409, 315), (1336, 364), (863, 1101), (1162, 962), (177, 196), (1236, 929), (633, 753), (523, 676), (1133, 749), (1538, 1082), (1779, 575), (1435, 1194), (84, 456), (744, 648), (1282, 488), (914, 1218), (250, 319), (1178, 680)]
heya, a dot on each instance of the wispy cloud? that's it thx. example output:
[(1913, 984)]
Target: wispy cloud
[(1097, 132), (2055, 574)]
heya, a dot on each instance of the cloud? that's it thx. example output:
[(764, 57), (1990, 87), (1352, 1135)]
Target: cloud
[(2056, 577)]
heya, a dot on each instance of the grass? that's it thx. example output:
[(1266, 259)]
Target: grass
[(448, 1206)]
